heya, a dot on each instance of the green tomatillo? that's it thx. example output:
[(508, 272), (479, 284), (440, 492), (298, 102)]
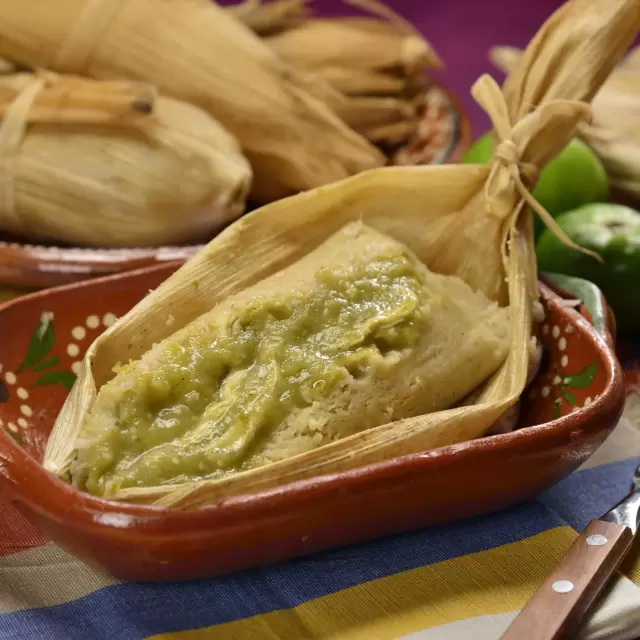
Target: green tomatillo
[(612, 231)]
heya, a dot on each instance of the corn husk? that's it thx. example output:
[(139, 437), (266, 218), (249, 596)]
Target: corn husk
[(363, 82), (108, 163), (196, 51), (614, 133), (268, 17), (343, 42), (6, 67), (363, 114), (470, 221), (393, 134), (384, 41), (77, 100), (377, 65)]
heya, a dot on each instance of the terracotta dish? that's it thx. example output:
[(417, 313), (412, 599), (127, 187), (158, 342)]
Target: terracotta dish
[(442, 136), (567, 413)]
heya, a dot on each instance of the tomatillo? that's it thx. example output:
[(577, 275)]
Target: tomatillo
[(575, 177), (613, 231)]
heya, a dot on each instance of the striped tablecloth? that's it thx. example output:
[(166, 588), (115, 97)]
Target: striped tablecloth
[(459, 581)]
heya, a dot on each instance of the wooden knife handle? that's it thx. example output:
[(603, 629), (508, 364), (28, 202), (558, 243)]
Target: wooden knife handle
[(558, 607)]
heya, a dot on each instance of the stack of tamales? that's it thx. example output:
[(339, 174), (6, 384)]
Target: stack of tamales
[(299, 123), (375, 64)]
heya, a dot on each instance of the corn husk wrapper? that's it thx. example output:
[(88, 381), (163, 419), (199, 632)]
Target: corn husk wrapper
[(6, 67), (196, 51), (363, 114), (108, 163), (614, 133), (377, 65), (362, 82), (466, 220), (354, 43), (268, 17)]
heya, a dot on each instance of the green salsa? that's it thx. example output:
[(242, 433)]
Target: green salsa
[(221, 385)]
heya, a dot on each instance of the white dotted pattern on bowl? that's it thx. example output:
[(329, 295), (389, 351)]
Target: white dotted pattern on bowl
[(78, 333)]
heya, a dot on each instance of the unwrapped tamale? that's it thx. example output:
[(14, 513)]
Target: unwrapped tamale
[(356, 334), (88, 162)]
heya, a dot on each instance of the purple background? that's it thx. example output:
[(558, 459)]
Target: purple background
[(462, 32)]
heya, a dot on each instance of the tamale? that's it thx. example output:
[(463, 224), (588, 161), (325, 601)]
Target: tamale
[(6, 67), (271, 16), (195, 51), (364, 113), (393, 134), (354, 335), (108, 163), (365, 43), (377, 65), (471, 222), (357, 82)]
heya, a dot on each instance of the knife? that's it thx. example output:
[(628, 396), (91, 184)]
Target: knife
[(557, 609)]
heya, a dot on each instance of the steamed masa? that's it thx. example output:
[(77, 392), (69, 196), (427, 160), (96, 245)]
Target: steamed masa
[(356, 334)]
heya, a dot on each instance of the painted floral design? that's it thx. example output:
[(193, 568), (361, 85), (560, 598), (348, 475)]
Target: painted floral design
[(560, 386), (39, 360), (564, 387), (41, 366)]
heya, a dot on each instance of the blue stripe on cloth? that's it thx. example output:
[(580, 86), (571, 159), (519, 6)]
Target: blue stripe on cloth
[(135, 611), (588, 494)]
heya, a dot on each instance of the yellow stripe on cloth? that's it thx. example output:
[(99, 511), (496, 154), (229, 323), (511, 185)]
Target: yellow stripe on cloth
[(488, 582), (45, 577)]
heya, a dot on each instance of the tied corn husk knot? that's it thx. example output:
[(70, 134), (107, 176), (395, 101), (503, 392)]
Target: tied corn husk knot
[(613, 133), (76, 100), (469, 221), (508, 155), (110, 163)]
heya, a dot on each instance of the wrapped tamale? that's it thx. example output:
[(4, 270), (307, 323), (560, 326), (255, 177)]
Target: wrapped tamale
[(614, 133), (110, 164), (376, 64), (355, 43), (354, 335), (471, 223), (266, 17), (195, 51)]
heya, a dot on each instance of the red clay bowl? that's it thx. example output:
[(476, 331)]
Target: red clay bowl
[(443, 135), (574, 403)]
